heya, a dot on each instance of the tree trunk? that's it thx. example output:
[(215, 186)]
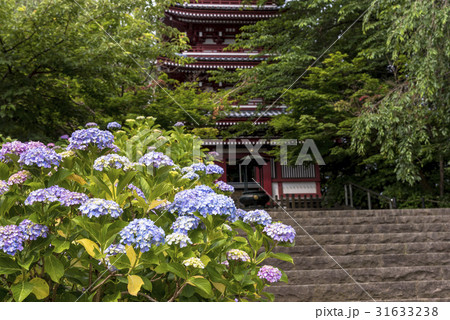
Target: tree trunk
[(441, 176)]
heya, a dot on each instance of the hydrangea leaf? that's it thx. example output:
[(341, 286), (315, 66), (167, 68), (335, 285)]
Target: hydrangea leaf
[(21, 291), (60, 245), (219, 286), (155, 203), (40, 288), (33, 257), (54, 268), (281, 256), (8, 266), (91, 247), (77, 178), (134, 284), (201, 283), (131, 254)]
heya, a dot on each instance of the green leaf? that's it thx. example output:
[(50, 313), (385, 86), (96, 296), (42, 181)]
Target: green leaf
[(32, 257), (102, 185), (281, 256), (59, 176), (244, 226), (8, 266), (40, 288), (176, 268), (201, 283), (125, 180), (134, 284), (21, 291), (4, 171), (147, 284), (60, 245), (240, 239), (54, 268)]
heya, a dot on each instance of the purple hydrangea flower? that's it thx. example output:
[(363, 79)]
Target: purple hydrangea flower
[(81, 139), (188, 201), (258, 217), (56, 193), (17, 148), (64, 137), (223, 186), (42, 157), (270, 273), (178, 238), (100, 207), (214, 153), (195, 167), (113, 125), (113, 161), (91, 125), (238, 255), (183, 224), (280, 232), (4, 188), (50, 145), (19, 177), (142, 233), (32, 231), (225, 263), (214, 169), (11, 239), (179, 124), (163, 206), (156, 159)]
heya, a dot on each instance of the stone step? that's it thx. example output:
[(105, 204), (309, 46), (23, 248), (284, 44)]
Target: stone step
[(335, 276), (363, 261), (278, 214), (370, 248), (373, 238), (334, 221), (371, 228), (380, 291)]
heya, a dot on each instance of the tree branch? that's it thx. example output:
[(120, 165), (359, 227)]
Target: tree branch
[(143, 295)]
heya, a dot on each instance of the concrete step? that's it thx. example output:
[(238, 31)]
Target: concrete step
[(371, 228), (390, 274), (373, 238), (380, 291), (335, 221), (363, 261), (280, 214), (370, 248)]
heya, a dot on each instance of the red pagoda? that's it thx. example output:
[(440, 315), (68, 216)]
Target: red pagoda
[(211, 26)]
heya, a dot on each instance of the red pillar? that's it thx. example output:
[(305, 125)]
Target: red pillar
[(267, 178)]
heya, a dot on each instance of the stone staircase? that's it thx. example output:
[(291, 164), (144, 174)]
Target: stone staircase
[(394, 255)]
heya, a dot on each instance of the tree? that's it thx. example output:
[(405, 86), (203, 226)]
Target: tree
[(411, 124), (65, 63)]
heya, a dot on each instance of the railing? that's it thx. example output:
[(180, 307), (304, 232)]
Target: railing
[(348, 189), (292, 201)]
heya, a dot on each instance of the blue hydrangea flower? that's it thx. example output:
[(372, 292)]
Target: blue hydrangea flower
[(195, 167), (113, 125), (191, 175), (56, 193), (139, 192), (91, 124), (258, 217), (155, 159), (113, 161), (32, 231), (240, 213), (217, 204), (163, 206), (183, 224), (280, 232), (4, 188), (112, 251), (223, 186), (238, 255), (19, 177), (194, 262), (141, 234), (100, 207), (43, 157), (178, 238), (11, 239), (179, 124), (214, 169), (81, 139), (187, 201), (270, 273)]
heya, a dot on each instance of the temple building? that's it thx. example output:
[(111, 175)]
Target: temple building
[(211, 26)]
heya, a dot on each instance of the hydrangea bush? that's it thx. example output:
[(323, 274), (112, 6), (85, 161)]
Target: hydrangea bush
[(131, 213)]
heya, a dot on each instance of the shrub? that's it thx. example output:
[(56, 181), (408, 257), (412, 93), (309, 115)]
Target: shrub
[(134, 214)]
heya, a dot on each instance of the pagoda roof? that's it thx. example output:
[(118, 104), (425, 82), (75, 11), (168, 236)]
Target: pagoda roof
[(227, 5), (242, 15)]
